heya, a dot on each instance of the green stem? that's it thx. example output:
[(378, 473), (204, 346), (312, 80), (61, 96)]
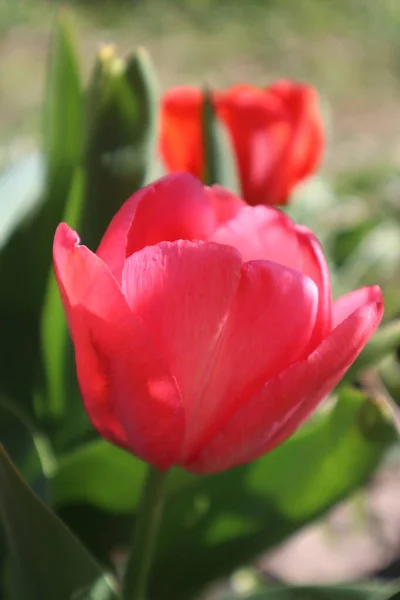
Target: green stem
[(143, 543)]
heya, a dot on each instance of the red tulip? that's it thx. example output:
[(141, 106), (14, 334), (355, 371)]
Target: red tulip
[(204, 329), (276, 132)]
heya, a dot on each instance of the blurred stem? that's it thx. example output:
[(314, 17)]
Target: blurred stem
[(144, 539)]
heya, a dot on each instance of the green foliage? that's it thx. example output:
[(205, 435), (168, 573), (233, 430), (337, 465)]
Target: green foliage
[(219, 160), (46, 560), (371, 592)]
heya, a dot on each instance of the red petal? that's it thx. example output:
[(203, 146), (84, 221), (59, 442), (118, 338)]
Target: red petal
[(347, 304), (285, 402), (127, 389), (225, 204), (269, 325), (315, 266), (180, 144), (277, 134), (183, 292), (175, 207), (262, 232)]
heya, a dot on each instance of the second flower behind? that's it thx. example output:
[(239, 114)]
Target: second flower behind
[(276, 133)]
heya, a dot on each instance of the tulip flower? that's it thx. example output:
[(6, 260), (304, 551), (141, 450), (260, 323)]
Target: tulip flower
[(276, 133), (204, 329)]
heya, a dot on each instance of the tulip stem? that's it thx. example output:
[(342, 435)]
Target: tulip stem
[(144, 538)]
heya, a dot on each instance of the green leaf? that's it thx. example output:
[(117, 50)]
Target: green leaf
[(142, 79), (122, 115), (28, 251), (370, 592), (220, 160), (28, 448), (222, 521), (102, 589), (46, 560), (63, 106), (105, 476), (99, 474), (378, 252)]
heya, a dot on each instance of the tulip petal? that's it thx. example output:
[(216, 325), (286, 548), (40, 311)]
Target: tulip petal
[(262, 233), (315, 266), (347, 304), (175, 207), (270, 323), (112, 247), (225, 204), (181, 140), (183, 291), (284, 403), (128, 390)]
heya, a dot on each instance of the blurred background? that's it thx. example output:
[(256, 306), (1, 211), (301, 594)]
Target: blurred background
[(350, 51)]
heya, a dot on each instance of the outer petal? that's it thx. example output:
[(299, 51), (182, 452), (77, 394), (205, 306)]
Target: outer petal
[(315, 266), (127, 388), (300, 137), (183, 292), (181, 134), (251, 118), (347, 304), (269, 324), (225, 204), (277, 134), (262, 233), (285, 402), (174, 207)]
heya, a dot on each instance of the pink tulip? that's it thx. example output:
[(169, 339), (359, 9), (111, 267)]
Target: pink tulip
[(204, 329)]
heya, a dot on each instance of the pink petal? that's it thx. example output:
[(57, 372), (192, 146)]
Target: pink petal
[(284, 403), (315, 266), (183, 292), (262, 232), (113, 244), (347, 304), (127, 388), (226, 205), (270, 323), (175, 207)]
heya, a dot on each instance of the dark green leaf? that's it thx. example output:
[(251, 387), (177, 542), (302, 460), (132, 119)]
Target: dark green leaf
[(28, 251), (46, 560), (220, 161), (368, 592), (28, 448), (63, 106)]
